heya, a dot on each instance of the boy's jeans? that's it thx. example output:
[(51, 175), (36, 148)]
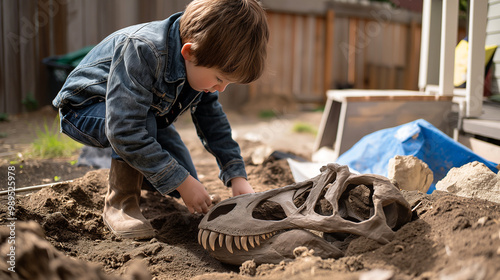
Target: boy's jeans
[(87, 125)]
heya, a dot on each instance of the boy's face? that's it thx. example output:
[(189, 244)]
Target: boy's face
[(202, 78)]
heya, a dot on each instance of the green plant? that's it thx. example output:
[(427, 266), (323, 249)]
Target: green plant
[(301, 127), (267, 114), (51, 144), (4, 117), (30, 102)]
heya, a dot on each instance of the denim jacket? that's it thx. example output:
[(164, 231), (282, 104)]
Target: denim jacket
[(140, 69)]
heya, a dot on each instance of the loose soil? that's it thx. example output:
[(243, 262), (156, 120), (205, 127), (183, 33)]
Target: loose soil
[(60, 234)]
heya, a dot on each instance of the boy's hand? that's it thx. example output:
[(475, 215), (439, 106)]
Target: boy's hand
[(194, 195), (241, 186)]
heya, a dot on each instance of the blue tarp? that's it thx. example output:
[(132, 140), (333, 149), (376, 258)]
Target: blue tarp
[(418, 138)]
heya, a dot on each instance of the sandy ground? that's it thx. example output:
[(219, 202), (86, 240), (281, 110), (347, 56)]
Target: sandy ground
[(60, 234)]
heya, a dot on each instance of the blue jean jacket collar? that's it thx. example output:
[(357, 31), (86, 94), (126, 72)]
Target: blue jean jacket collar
[(176, 68)]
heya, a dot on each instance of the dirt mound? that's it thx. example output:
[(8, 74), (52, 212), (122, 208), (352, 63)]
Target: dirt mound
[(449, 236), (35, 258)]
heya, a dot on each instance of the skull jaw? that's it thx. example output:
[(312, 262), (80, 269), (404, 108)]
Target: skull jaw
[(278, 248)]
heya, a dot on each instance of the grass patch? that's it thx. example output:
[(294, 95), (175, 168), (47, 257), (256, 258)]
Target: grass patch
[(301, 127), (50, 143), (267, 114), (4, 117)]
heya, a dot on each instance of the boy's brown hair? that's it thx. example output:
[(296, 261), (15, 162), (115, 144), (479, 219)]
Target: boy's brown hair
[(230, 35)]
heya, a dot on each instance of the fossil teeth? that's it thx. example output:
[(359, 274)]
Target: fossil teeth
[(221, 239), (204, 238), (229, 243), (244, 240), (250, 240), (212, 239), (200, 233), (263, 236), (257, 240), (237, 242)]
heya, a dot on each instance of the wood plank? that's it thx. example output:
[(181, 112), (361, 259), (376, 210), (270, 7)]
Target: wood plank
[(45, 49), (276, 57), (493, 10), (319, 53), (359, 79), (475, 62), (28, 74), (493, 25), (493, 39), (288, 53), (402, 40), (58, 16), (352, 49), (126, 13), (340, 65), (485, 128), (308, 58), (297, 69), (3, 92), (11, 47), (329, 45), (412, 58), (91, 27), (448, 42)]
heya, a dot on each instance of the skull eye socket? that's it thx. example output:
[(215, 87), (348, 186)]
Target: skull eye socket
[(221, 210), (300, 197), (269, 211), (356, 203), (323, 206)]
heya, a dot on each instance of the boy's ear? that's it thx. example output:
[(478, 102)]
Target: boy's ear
[(186, 52)]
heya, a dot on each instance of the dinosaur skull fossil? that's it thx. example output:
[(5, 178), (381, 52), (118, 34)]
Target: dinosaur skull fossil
[(268, 226)]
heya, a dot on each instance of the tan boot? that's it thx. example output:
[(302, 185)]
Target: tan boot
[(121, 212)]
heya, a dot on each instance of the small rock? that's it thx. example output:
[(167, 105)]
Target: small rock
[(461, 223), (482, 220), (248, 268), (153, 240), (301, 252), (410, 173)]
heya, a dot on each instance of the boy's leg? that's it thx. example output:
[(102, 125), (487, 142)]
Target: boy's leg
[(121, 211), (85, 124)]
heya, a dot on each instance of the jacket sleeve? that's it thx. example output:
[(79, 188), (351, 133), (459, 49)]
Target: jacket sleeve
[(128, 100), (214, 132)]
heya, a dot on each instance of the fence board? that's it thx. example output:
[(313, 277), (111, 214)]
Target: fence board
[(360, 55), (341, 50), (28, 54), (91, 27), (329, 48), (11, 48), (76, 21), (3, 93)]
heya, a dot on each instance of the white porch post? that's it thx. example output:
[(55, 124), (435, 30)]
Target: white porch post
[(476, 56), (449, 33), (430, 43)]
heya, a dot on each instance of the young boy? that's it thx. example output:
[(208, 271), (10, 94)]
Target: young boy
[(127, 92)]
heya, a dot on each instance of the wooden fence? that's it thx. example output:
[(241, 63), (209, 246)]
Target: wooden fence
[(332, 45)]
